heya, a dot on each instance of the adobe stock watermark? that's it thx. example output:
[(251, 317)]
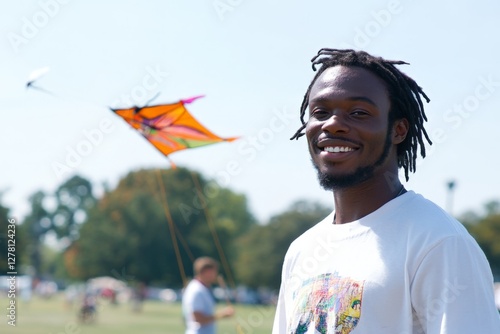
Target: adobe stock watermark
[(73, 327), (223, 7), (248, 150), (94, 137), (370, 30), (31, 26), (471, 103), (254, 320), (139, 94), (454, 116), (74, 155), (123, 276), (437, 306), (70, 328), (323, 250)]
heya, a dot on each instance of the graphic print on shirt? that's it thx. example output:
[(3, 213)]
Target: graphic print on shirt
[(330, 303)]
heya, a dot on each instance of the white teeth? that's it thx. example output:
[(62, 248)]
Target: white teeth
[(337, 149)]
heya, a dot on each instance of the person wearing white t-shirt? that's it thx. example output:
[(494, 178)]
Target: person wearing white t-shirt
[(198, 304), (386, 260)]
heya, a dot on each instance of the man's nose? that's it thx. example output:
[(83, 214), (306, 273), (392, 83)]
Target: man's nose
[(335, 123)]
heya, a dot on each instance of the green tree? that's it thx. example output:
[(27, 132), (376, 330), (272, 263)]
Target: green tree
[(262, 250), (486, 230), (34, 228), (74, 200), (127, 231)]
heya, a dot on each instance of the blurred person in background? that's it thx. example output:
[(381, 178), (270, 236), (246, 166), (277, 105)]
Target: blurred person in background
[(198, 303)]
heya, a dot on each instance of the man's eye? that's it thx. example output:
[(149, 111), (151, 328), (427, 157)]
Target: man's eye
[(359, 112), (319, 113)]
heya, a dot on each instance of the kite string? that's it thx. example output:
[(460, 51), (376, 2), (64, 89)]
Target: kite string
[(178, 232), (227, 294), (213, 231), (184, 244), (171, 227)]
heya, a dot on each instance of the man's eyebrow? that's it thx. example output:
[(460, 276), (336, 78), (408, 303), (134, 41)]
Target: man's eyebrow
[(365, 99)]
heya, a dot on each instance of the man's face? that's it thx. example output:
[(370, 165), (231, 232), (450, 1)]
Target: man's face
[(348, 133), (211, 274)]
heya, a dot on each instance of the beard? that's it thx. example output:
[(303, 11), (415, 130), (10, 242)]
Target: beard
[(360, 175)]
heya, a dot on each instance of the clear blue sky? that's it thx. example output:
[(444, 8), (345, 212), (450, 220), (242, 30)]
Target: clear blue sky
[(252, 61)]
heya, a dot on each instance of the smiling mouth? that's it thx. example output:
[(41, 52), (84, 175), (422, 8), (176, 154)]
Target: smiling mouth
[(337, 149)]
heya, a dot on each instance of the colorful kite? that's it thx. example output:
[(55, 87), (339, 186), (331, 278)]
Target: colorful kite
[(170, 127)]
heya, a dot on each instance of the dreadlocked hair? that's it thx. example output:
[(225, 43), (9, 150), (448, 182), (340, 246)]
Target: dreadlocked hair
[(404, 95)]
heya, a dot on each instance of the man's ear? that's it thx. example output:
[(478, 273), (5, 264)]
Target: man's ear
[(400, 130)]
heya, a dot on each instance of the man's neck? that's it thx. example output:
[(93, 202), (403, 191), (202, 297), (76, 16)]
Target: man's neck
[(356, 202), (202, 281)]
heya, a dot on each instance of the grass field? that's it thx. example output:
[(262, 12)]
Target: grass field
[(54, 317)]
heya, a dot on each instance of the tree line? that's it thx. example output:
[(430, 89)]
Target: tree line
[(154, 223)]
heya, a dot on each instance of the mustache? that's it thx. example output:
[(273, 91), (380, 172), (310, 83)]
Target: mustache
[(338, 138)]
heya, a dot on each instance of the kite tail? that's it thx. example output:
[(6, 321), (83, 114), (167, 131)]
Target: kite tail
[(172, 164)]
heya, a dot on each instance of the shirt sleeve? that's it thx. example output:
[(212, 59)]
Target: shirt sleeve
[(198, 304), (452, 290)]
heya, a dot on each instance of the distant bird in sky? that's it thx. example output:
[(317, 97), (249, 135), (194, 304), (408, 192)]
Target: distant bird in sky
[(35, 76)]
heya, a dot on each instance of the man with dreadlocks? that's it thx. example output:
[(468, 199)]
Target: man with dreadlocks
[(387, 260)]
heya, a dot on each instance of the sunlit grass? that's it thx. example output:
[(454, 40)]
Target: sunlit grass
[(53, 316)]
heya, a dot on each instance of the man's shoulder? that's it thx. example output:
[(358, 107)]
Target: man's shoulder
[(425, 222), (194, 286)]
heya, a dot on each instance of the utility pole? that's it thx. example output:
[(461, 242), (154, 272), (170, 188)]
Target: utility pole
[(449, 198)]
